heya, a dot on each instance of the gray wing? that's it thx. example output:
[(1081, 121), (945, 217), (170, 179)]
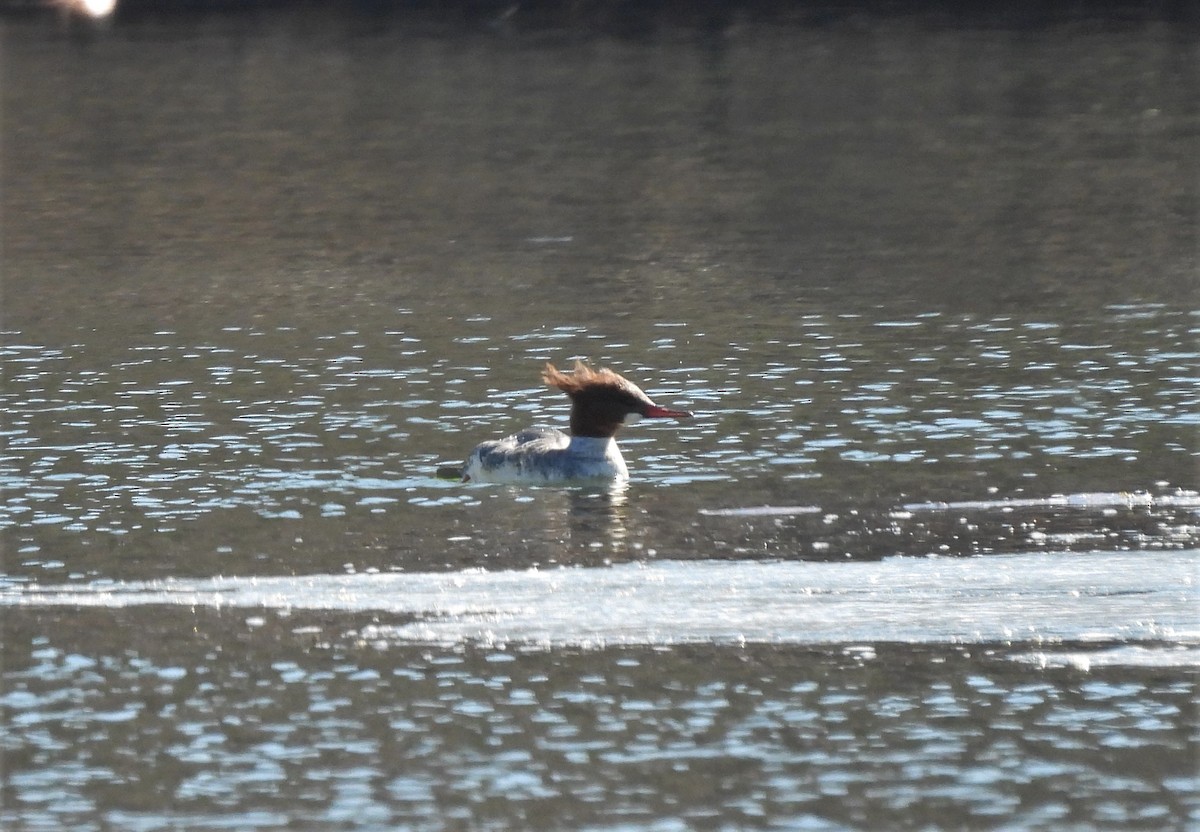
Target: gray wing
[(524, 452)]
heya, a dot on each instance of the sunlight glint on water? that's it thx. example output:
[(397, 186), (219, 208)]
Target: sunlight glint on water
[(925, 558), (149, 440)]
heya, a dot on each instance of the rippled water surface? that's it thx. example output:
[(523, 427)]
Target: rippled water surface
[(333, 438), (926, 557)]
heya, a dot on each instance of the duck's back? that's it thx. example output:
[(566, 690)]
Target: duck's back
[(543, 455)]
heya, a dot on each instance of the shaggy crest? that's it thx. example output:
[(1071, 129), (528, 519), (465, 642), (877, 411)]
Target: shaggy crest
[(584, 377)]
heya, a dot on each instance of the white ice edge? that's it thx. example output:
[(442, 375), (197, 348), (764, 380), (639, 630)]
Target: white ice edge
[(1043, 597), (1087, 501)]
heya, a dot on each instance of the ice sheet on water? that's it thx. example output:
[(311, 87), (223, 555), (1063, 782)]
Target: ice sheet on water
[(1085, 501), (1125, 655), (1127, 597)]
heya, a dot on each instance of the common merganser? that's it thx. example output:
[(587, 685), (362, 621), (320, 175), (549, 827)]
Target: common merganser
[(601, 402)]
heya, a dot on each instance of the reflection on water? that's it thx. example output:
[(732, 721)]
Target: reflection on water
[(926, 278)]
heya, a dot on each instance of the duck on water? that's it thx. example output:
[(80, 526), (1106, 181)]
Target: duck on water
[(601, 402)]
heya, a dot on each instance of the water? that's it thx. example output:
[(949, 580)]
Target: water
[(333, 441), (926, 556)]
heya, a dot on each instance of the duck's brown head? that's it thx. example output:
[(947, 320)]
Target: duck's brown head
[(602, 401)]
